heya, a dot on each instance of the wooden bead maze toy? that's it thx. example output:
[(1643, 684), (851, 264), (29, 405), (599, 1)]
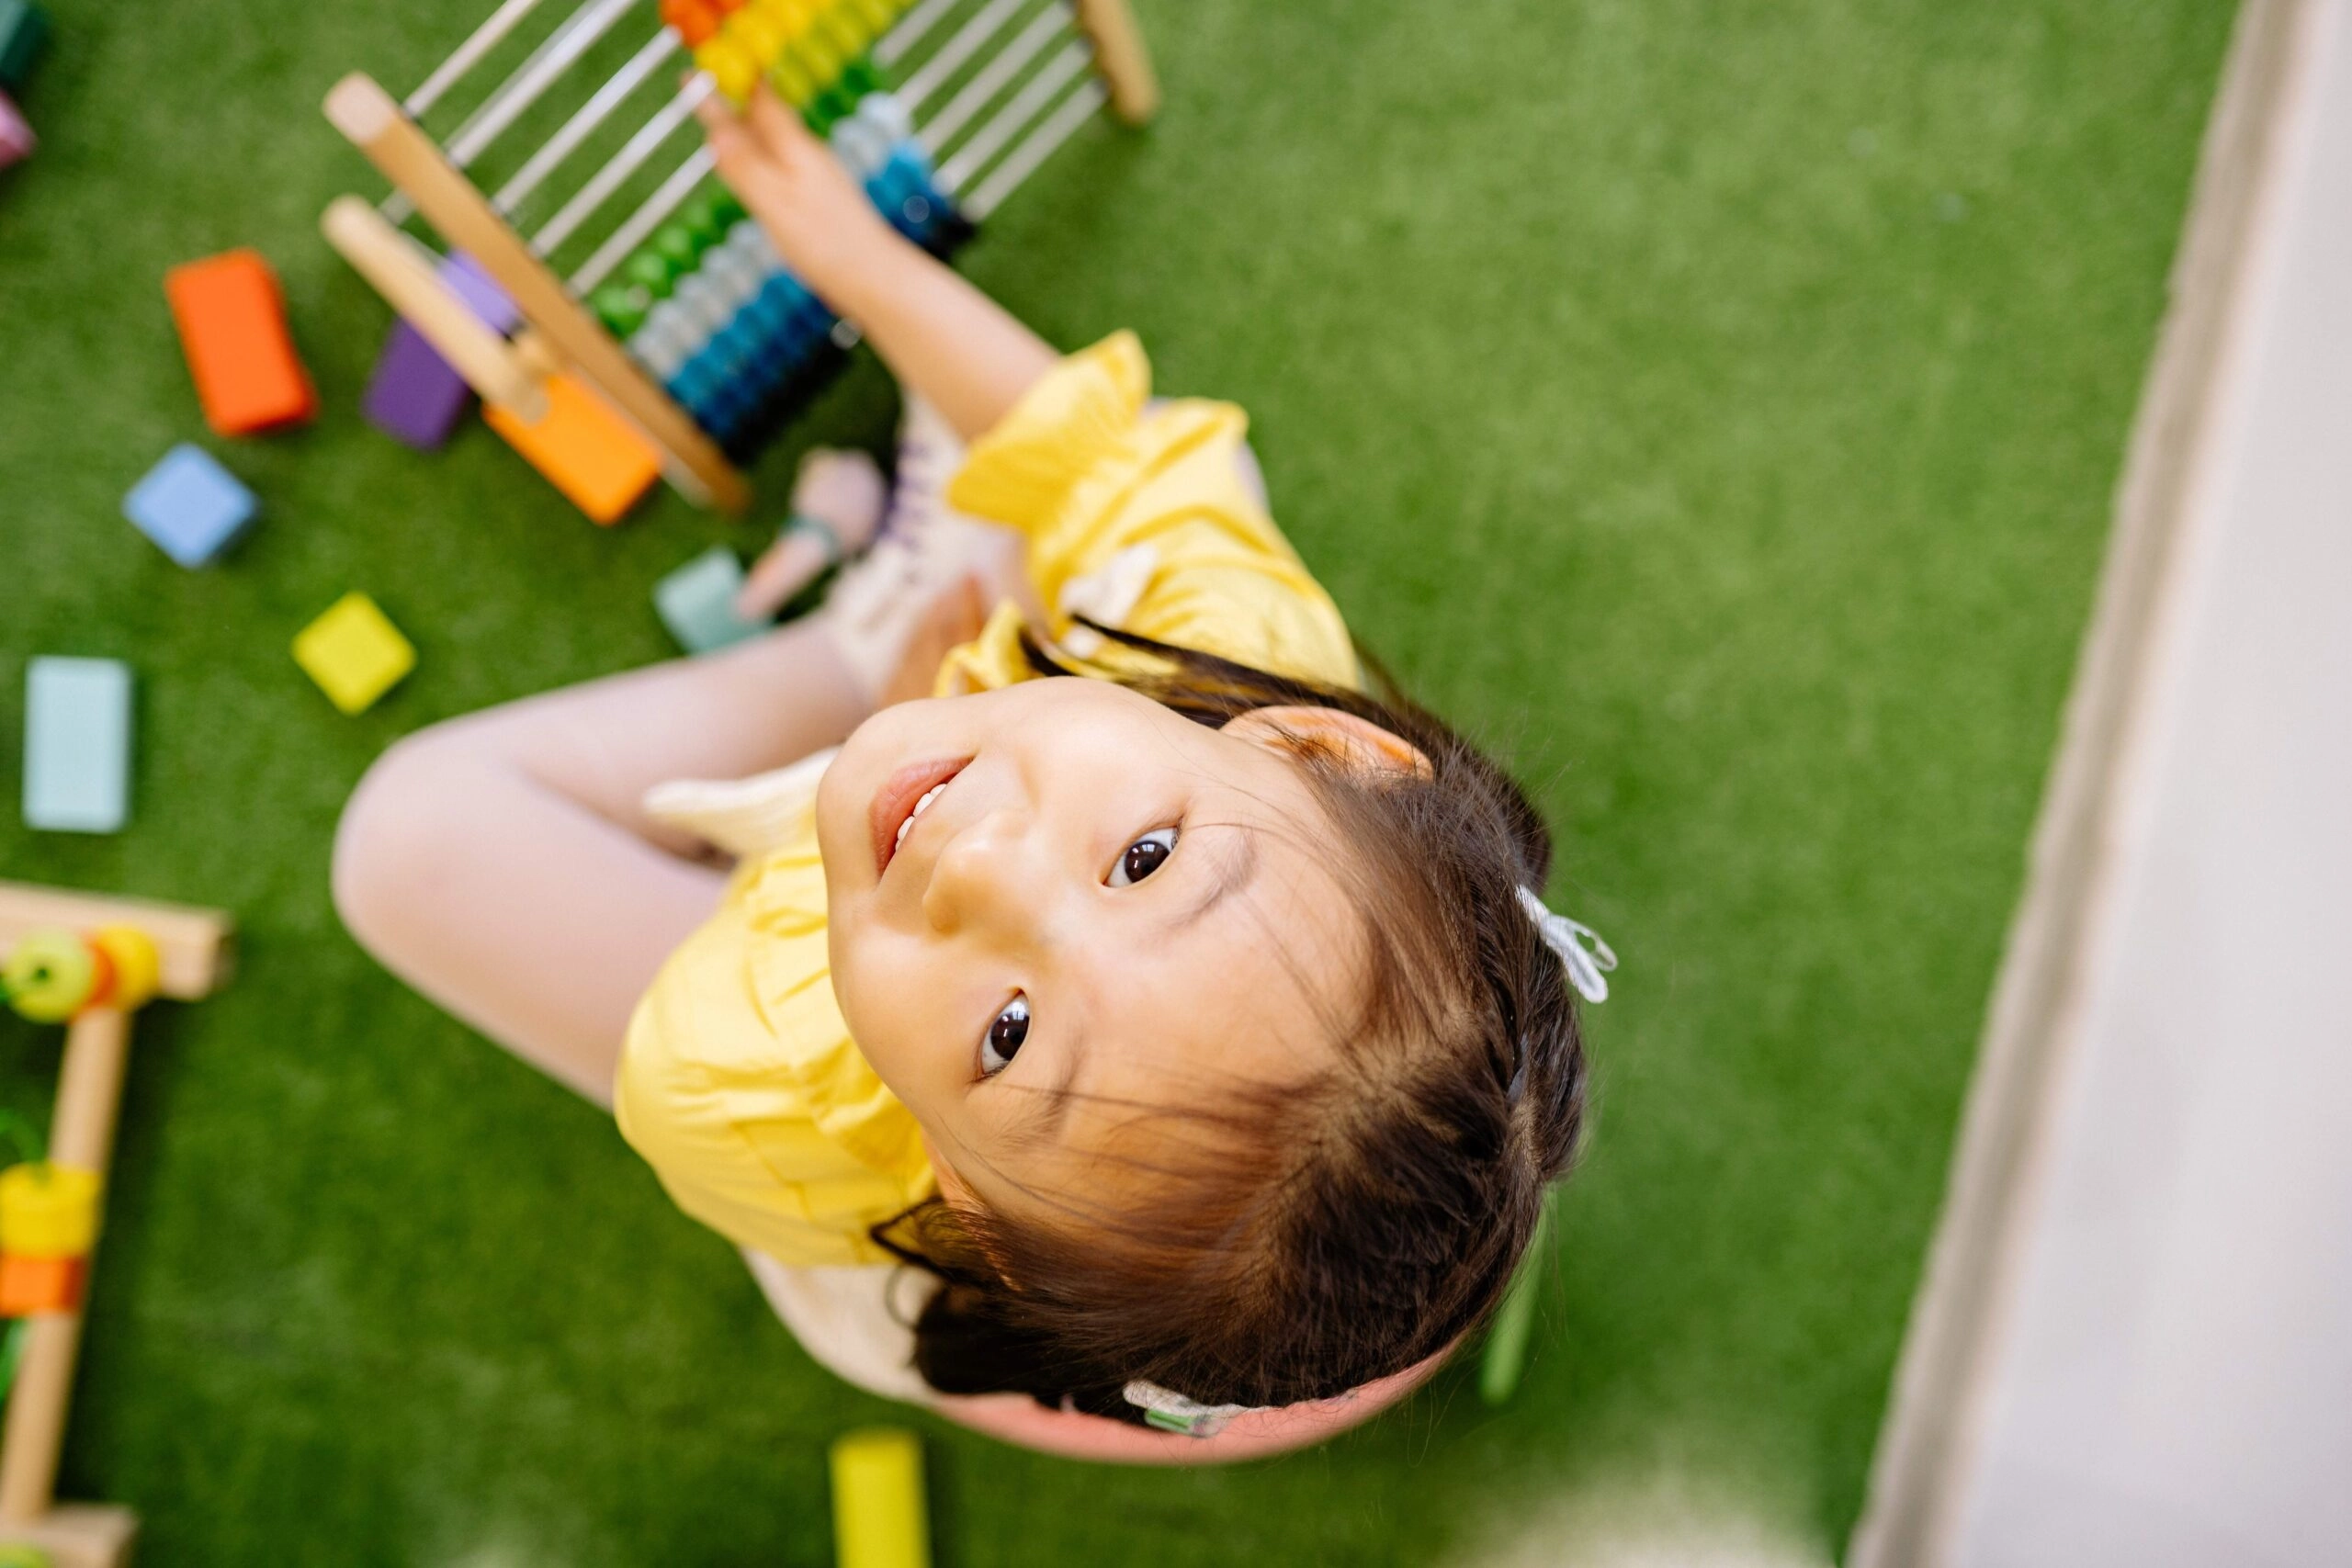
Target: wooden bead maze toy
[(581, 184), (88, 963)]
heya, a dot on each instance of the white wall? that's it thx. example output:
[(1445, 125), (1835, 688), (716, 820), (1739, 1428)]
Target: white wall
[(2172, 1382)]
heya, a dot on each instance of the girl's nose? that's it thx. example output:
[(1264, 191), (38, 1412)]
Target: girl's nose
[(983, 882)]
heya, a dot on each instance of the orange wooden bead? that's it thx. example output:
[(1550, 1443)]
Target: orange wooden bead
[(29, 1286), (696, 21), (233, 325)]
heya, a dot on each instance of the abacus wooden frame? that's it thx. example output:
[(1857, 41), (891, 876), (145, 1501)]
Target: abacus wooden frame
[(561, 332)]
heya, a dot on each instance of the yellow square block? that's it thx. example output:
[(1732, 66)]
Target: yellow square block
[(354, 653), (590, 453)]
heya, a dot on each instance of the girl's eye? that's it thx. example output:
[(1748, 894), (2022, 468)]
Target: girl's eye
[(1002, 1042), (1143, 857)]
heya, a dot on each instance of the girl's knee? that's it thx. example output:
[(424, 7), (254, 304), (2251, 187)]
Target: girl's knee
[(399, 825)]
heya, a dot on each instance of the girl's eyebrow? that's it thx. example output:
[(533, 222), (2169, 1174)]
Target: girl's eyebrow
[(1240, 867)]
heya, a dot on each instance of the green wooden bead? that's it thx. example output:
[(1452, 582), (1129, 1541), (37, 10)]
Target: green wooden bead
[(650, 272), (677, 243), (700, 217), (830, 108), (621, 307)]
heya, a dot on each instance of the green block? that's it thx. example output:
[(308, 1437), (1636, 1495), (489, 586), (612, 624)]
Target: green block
[(23, 29)]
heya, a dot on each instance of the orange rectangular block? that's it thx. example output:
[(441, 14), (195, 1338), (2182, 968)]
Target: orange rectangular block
[(30, 1285), (590, 453), (232, 327)]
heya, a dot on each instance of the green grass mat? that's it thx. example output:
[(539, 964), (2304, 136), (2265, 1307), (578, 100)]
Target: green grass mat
[(1715, 405)]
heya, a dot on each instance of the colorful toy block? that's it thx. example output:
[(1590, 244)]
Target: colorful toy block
[(17, 138), (353, 652), (191, 506), (586, 450), (77, 745), (697, 603), (878, 1516), (24, 31), (414, 396), (231, 319)]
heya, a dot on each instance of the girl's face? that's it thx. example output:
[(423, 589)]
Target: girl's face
[(1060, 907)]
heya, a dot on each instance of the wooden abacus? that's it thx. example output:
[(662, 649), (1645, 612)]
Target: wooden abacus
[(632, 271), (89, 963)]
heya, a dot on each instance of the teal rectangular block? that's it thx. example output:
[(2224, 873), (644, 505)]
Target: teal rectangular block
[(24, 29), (697, 601), (77, 745)]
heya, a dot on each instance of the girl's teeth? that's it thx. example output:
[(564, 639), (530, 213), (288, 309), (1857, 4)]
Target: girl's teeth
[(928, 797)]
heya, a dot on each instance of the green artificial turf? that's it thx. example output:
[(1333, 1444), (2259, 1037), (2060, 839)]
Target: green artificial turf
[(1716, 406)]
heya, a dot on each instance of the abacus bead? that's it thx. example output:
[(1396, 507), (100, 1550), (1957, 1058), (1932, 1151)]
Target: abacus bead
[(674, 244), (818, 55), (651, 273), (731, 66), (861, 81), (886, 114), (758, 33), (621, 308), (724, 6), (702, 303), (791, 81), (694, 20), (656, 353)]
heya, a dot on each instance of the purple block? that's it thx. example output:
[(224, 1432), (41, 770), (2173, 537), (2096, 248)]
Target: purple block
[(481, 292), (414, 396)]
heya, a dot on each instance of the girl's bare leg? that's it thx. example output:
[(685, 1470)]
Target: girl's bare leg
[(502, 863)]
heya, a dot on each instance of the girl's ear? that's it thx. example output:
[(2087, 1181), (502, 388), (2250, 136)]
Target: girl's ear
[(1361, 744)]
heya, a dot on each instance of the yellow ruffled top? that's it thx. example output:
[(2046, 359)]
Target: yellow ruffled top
[(739, 1082)]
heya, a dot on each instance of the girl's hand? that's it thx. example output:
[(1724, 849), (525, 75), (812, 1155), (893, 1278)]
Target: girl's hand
[(954, 619), (814, 212)]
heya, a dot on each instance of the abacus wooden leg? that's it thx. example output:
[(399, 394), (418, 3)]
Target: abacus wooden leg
[(1122, 58), (366, 114)]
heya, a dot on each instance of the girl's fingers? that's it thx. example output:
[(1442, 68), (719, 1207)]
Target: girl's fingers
[(781, 132)]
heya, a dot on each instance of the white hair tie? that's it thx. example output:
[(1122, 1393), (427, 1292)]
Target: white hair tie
[(1587, 967), (1171, 1412)]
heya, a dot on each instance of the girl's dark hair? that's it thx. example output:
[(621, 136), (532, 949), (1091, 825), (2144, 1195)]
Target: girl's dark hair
[(1312, 1238)]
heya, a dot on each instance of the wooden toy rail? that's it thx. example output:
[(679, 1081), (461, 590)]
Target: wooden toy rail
[(192, 947), (951, 101)]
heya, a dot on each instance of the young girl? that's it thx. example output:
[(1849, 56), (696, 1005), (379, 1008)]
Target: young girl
[(1190, 1027)]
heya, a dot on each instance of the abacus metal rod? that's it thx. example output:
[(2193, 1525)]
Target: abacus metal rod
[(910, 29), (591, 115), (1025, 107), (1056, 20), (579, 32), (625, 162), (644, 221), (956, 51), (531, 78), (487, 36), (1075, 111)]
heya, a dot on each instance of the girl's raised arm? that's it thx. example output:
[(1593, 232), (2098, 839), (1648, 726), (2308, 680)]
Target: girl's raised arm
[(964, 354)]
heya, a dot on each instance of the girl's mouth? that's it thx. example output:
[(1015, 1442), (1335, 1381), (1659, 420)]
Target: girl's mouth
[(903, 796)]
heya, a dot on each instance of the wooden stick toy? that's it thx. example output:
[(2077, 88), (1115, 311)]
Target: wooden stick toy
[(637, 277), (88, 963)]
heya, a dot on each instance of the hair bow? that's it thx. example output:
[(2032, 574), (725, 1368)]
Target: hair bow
[(1171, 1412), (1587, 967)]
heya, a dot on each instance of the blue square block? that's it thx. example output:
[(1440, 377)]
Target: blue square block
[(77, 745), (697, 603), (190, 505)]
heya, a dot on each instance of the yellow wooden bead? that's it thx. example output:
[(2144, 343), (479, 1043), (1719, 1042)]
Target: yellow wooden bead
[(758, 35), (138, 967), (731, 65), (48, 1210), (790, 79)]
